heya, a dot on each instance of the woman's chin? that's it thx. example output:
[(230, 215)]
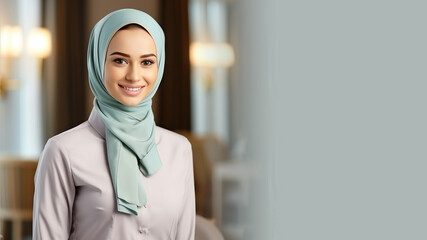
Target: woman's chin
[(132, 102)]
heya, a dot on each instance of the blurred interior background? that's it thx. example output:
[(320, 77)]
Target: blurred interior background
[(44, 91), (307, 118)]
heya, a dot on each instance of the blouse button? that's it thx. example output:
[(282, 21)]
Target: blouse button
[(143, 230)]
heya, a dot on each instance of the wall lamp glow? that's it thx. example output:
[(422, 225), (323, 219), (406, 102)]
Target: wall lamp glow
[(39, 45), (211, 54), (11, 41), (40, 42)]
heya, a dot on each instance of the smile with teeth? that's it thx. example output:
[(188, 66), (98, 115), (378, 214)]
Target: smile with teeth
[(132, 89)]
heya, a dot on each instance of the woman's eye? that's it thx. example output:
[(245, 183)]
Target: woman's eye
[(147, 62), (119, 61)]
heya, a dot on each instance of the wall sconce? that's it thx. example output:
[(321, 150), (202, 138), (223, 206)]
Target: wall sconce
[(10, 47), (209, 56), (11, 41), (39, 45)]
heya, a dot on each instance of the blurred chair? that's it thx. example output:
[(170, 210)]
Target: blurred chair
[(207, 150), (206, 230), (16, 193)]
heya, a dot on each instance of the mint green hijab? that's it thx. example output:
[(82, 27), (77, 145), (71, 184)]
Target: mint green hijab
[(129, 131)]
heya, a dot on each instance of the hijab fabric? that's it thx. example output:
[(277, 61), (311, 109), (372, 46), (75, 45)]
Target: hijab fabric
[(129, 131)]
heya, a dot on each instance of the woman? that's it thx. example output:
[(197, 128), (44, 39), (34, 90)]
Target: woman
[(118, 176)]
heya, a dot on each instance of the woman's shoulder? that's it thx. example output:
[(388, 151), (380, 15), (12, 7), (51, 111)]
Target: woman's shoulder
[(165, 136), (60, 148), (79, 135), (174, 149)]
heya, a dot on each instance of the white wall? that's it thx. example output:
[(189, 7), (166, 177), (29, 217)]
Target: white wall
[(331, 97), (8, 115), (20, 111)]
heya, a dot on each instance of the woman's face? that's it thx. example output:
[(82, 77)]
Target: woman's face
[(130, 71)]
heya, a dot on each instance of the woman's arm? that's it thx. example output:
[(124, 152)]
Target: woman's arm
[(187, 221), (54, 194)]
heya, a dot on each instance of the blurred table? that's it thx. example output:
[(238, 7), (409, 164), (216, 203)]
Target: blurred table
[(237, 174)]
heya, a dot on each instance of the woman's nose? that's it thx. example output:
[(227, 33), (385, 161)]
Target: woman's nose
[(133, 73)]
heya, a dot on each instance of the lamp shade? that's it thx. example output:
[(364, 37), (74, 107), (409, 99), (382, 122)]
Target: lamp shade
[(10, 41), (40, 42), (211, 54)]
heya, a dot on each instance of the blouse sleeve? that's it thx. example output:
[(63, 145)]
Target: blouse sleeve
[(54, 194), (187, 221)]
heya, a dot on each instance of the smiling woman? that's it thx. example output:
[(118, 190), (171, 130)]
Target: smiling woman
[(131, 65), (118, 175)]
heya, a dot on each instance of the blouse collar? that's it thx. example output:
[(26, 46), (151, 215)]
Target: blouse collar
[(96, 122)]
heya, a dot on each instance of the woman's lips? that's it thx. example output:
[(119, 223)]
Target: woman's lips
[(131, 90)]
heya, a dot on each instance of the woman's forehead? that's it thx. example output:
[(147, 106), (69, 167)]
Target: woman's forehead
[(134, 38)]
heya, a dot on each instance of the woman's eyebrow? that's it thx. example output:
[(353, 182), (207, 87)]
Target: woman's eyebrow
[(148, 55), (120, 53), (127, 55)]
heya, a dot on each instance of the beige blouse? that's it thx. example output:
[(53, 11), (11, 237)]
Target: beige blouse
[(74, 196)]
